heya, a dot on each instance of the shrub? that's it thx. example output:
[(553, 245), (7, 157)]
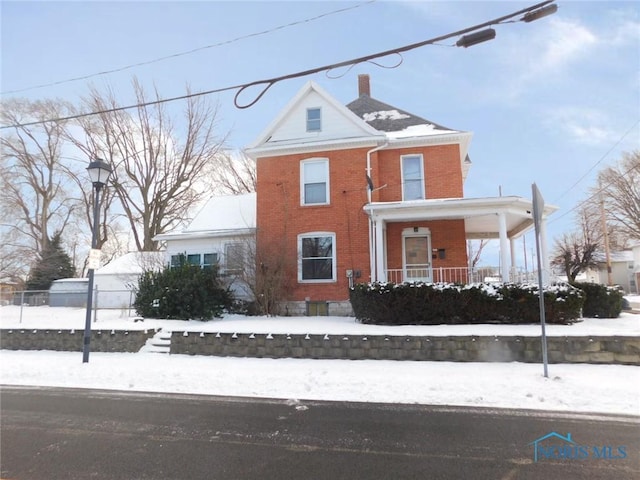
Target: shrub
[(182, 292), (601, 301), (430, 304)]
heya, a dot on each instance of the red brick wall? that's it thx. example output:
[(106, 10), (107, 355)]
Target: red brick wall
[(447, 234), (442, 172), (281, 218)]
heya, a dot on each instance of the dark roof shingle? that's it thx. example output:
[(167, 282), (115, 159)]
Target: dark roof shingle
[(386, 118)]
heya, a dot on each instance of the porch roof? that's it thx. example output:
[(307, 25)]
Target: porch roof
[(481, 215)]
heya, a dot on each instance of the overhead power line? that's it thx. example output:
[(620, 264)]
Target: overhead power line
[(266, 84), (189, 52), (602, 187), (599, 161)]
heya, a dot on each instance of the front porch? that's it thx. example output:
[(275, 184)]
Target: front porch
[(425, 240), (463, 275)]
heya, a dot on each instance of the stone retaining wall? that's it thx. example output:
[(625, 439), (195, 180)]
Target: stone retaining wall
[(72, 340), (611, 349)]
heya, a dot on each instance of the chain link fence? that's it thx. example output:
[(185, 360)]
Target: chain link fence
[(122, 299)]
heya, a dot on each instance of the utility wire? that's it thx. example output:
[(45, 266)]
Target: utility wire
[(268, 83), (599, 161), (602, 187), (188, 52)]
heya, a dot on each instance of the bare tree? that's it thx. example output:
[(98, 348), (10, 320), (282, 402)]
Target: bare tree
[(160, 171), (474, 251), (621, 194), (15, 257), (38, 195), (574, 252), (265, 272), (235, 174)]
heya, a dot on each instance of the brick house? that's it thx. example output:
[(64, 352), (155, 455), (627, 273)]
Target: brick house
[(370, 192)]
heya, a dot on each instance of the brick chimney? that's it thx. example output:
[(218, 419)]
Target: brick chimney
[(363, 85)]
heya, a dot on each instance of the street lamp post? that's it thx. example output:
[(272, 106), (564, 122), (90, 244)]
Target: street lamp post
[(99, 172)]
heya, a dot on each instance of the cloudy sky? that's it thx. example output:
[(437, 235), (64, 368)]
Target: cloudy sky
[(551, 102)]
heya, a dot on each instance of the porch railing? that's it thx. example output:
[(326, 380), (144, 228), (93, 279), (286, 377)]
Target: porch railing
[(462, 275)]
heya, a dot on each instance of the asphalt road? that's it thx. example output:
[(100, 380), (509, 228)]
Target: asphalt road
[(89, 434)]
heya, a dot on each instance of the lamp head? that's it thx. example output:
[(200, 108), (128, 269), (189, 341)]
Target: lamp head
[(99, 172)]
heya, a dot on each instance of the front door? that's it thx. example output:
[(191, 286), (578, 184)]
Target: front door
[(417, 259)]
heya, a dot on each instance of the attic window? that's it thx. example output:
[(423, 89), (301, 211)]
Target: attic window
[(314, 123)]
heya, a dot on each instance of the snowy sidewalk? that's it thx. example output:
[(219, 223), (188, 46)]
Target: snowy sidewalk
[(569, 388)]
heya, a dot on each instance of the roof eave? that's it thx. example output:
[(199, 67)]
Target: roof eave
[(315, 146), (163, 237)]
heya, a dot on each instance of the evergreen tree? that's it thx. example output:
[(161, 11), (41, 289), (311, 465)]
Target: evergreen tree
[(183, 292), (53, 264)]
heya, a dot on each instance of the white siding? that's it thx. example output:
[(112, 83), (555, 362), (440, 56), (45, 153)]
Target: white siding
[(334, 124)]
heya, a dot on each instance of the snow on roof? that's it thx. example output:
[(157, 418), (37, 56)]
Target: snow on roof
[(384, 115), (419, 131), (132, 263), (71, 280), (229, 212)]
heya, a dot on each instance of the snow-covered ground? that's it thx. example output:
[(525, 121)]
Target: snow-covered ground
[(577, 387)]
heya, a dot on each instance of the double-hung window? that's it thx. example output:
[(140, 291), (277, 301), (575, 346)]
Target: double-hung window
[(205, 260), (210, 259), (317, 261), (314, 181), (233, 257), (412, 177), (314, 120), (177, 260), (193, 259)]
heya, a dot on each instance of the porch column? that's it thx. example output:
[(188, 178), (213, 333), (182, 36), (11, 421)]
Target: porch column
[(504, 254), (512, 267), (380, 267), (372, 251), (546, 266)]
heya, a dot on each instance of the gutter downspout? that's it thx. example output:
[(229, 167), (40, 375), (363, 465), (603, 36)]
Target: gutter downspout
[(372, 243)]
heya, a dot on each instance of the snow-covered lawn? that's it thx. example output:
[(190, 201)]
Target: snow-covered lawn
[(74, 318), (578, 387)]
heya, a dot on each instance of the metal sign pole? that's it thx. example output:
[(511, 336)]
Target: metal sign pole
[(538, 207)]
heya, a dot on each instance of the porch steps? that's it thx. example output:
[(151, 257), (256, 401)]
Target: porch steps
[(159, 343)]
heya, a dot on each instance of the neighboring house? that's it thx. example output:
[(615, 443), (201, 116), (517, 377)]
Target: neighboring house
[(370, 192), (624, 270), (115, 284), (8, 287), (636, 269), (222, 234)]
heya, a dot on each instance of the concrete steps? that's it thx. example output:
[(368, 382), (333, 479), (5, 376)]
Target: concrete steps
[(159, 343)]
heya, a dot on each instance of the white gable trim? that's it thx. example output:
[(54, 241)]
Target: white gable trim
[(304, 92), (277, 149)]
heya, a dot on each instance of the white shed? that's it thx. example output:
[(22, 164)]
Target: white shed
[(117, 281)]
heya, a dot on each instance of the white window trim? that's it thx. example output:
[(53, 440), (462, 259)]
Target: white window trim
[(334, 260), (225, 263), (201, 255), (325, 161), (306, 119), (402, 157)]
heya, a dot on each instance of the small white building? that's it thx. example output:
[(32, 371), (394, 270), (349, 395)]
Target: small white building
[(222, 234), (116, 283), (636, 266)]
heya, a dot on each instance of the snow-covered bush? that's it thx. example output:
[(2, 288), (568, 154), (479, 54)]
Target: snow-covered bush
[(447, 303), (601, 301)]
